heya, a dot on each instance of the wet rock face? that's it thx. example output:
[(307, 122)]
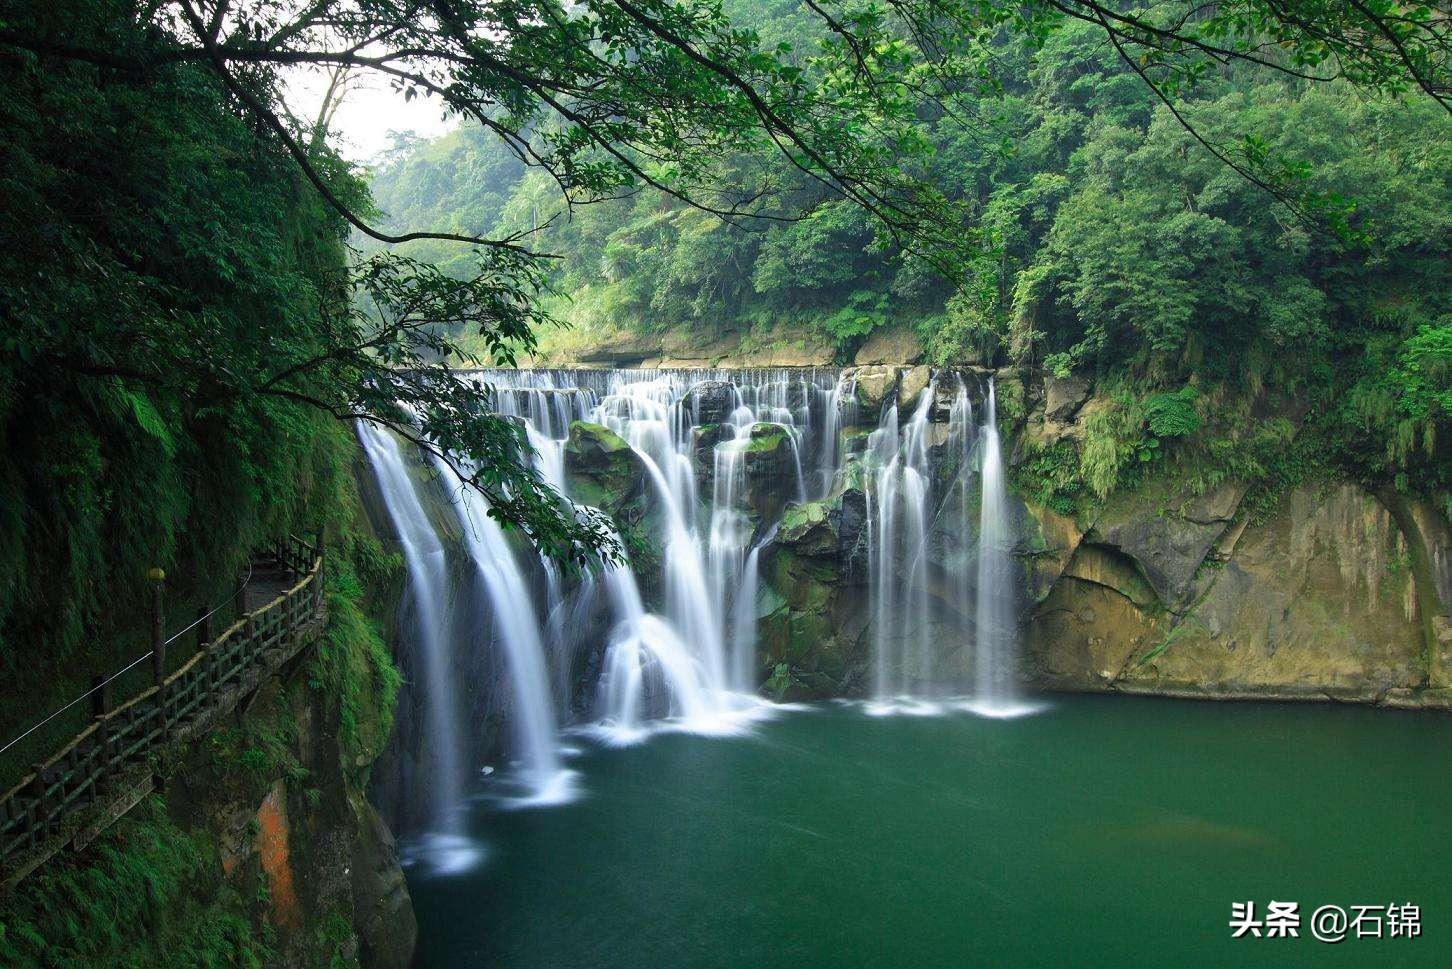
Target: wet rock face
[(851, 525), (710, 402), (1166, 591), (771, 471), (1046, 542), (1064, 397), (604, 472), (808, 530), (305, 852), (812, 612), (1169, 543)]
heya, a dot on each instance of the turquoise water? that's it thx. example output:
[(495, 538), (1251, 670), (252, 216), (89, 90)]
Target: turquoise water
[(1105, 831)]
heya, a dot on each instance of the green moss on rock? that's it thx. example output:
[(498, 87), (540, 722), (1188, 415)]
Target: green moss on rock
[(604, 472), (765, 438), (807, 529)]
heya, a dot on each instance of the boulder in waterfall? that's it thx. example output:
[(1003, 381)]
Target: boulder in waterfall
[(816, 627), (812, 611), (770, 470), (875, 385), (851, 521), (913, 382), (709, 402), (603, 471), (807, 529)]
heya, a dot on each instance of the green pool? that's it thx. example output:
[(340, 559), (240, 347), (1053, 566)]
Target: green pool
[(1104, 831)]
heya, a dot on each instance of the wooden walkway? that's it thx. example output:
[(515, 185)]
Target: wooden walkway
[(102, 772)]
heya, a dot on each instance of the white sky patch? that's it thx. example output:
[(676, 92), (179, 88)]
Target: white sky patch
[(369, 111)]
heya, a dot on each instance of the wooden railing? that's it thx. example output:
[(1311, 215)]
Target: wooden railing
[(37, 809)]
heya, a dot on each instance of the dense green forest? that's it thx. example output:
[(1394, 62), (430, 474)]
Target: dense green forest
[(1105, 239), (1234, 217), (158, 258), (184, 322)]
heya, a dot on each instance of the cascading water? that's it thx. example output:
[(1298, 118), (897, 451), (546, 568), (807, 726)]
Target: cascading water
[(934, 625), (840, 410), (898, 497), (710, 581), (995, 692), (646, 651), (963, 438), (732, 568), (516, 626), (428, 597)]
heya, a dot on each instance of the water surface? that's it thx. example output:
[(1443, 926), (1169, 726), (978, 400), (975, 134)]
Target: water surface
[(1106, 831)]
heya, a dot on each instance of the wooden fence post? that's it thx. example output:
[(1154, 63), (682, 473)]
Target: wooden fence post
[(241, 598), (158, 645), (158, 627), (204, 627), (100, 706), (100, 700)]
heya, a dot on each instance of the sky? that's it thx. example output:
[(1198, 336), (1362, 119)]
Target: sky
[(369, 112)]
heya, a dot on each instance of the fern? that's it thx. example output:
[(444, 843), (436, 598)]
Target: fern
[(1172, 414), (148, 418)]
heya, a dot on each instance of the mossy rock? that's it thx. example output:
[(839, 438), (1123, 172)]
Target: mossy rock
[(603, 471), (767, 438), (806, 583), (807, 645), (770, 470), (807, 529)]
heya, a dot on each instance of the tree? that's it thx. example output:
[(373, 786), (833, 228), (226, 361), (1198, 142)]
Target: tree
[(609, 97)]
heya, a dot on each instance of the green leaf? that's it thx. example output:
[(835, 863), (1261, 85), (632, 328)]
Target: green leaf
[(150, 420)]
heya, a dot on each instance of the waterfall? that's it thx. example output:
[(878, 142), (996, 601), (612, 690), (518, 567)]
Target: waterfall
[(995, 693), (427, 599), (706, 579), (743, 621), (722, 453), (730, 533), (839, 409), (898, 501), (645, 650), (963, 438), (516, 626)]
